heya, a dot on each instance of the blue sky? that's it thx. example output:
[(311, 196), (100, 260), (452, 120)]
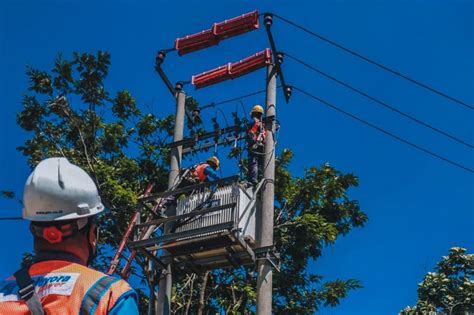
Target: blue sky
[(418, 206)]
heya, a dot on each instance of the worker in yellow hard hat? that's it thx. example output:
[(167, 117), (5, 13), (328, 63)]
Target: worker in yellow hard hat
[(206, 171), (256, 135)]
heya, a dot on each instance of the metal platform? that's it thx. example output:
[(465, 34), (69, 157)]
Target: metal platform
[(221, 250), (214, 227)]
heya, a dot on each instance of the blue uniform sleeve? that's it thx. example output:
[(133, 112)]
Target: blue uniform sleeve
[(211, 173), (126, 305)]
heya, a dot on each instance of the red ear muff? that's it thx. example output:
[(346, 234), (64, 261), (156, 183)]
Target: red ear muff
[(52, 234)]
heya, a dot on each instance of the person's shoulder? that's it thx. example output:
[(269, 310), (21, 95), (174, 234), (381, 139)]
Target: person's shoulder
[(116, 286), (100, 275), (110, 292), (87, 270)]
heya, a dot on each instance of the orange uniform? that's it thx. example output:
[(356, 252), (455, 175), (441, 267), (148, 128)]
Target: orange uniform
[(66, 287), (199, 172)]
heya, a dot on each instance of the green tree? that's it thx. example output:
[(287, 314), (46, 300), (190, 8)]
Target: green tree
[(69, 112), (448, 290)]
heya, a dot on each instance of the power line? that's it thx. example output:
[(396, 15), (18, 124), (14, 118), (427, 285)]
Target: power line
[(383, 130), (213, 104), (233, 99), (10, 218), (427, 125), (378, 64)]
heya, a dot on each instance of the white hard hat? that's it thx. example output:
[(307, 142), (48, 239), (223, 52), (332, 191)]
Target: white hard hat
[(57, 190)]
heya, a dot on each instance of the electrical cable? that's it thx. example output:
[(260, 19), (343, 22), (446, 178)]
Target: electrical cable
[(10, 218), (239, 98), (378, 64), (383, 130), (223, 115), (328, 76), (243, 107), (213, 104)]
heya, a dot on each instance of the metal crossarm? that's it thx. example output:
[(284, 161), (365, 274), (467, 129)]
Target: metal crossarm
[(191, 144), (188, 142), (160, 58), (278, 57), (208, 145)]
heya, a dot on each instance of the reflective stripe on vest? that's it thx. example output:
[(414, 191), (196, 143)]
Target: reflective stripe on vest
[(95, 293), (199, 172)]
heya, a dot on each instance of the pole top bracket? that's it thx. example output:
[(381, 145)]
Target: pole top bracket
[(268, 19), (160, 58), (179, 86), (270, 254)]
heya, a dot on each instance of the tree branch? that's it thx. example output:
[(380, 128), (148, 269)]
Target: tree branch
[(188, 304), (202, 294)]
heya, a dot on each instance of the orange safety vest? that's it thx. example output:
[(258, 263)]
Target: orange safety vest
[(198, 172), (65, 288), (258, 132)]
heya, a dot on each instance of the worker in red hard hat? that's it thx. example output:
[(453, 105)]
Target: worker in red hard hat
[(61, 200), (256, 135)]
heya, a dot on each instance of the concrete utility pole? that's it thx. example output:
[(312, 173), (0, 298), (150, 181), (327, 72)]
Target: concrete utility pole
[(265, 276), (166, 279)]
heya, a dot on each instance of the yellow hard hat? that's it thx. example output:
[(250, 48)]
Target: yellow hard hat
[(257, 109), (214, 160)]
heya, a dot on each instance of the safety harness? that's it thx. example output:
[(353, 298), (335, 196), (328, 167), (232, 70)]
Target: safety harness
[(257, 135), (197, 173), (27, 291)]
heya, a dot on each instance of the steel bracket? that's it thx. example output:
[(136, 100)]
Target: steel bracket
[(270, 254)]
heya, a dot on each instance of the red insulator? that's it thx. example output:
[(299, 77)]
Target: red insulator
[(234, 70), (236, 26), (195, 42), (252, 63), (211, 77), (219, 31)]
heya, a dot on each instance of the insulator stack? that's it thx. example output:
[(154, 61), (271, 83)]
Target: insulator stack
[(232, 70), (219, 31), (236, 26)]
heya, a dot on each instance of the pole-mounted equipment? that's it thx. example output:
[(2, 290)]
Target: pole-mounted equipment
[(232, 70), (219, 31)]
